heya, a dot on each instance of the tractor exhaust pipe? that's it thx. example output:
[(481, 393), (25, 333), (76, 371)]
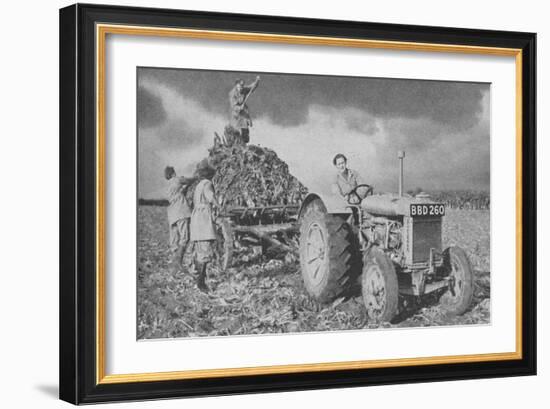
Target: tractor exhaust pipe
[(400, 155)]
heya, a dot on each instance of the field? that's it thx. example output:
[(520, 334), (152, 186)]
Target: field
[(260, 296)]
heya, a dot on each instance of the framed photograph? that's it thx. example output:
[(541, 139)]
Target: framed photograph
[(257, 203)]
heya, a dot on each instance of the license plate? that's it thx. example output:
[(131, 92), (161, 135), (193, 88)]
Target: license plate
[(430, 209)]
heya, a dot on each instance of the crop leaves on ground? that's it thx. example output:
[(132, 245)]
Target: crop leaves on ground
[(261, 296)]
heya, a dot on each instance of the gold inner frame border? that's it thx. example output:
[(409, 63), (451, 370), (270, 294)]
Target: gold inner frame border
[(102, 30)]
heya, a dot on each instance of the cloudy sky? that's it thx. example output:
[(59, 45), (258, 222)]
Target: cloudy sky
[(443, 126)]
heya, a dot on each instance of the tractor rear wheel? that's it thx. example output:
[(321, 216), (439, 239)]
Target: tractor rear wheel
[(458, 297), (379, 286), (328, 255)]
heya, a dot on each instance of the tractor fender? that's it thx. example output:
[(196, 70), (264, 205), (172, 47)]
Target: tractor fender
[(334, 204)]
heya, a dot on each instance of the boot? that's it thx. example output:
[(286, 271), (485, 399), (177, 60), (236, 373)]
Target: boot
[(185, 266), (176, 260), (201, 279)]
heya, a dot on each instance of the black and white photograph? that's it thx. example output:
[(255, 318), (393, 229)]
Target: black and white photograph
[(274, 203)]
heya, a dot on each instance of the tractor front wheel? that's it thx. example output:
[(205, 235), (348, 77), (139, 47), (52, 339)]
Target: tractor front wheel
[(458, 297), (379, 286)]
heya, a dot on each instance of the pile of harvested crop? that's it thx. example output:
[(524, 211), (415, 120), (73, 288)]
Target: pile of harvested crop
[(253, 176)]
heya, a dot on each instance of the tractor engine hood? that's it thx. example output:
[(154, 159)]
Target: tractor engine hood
[(391, 204)]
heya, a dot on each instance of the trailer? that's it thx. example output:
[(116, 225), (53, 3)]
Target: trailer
[(272, 228)]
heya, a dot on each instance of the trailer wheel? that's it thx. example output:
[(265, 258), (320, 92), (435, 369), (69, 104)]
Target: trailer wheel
[(224, 243), (327, 253), (458, 297), (379, 286)]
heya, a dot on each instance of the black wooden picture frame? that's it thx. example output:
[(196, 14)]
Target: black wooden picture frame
[(80, 362)]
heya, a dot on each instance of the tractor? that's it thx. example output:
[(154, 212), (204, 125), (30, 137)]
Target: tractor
[(388, 244)]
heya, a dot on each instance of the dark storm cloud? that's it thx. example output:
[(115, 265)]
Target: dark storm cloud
[(150, 110), (437, 156), (286, 99)]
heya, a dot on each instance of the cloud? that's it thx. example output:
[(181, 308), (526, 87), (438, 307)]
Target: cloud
[(180, 132), (438, 155), (150, 110), (443, 127), (184, 135), (285, 98)]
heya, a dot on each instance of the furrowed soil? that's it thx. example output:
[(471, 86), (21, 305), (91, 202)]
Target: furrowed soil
[(258, 296)]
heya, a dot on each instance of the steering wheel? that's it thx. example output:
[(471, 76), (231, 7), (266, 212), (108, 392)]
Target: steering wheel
[(354, 194)]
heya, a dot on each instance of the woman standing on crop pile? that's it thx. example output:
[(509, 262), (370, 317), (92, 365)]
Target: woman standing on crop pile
[(203, 233), (240, 116)]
